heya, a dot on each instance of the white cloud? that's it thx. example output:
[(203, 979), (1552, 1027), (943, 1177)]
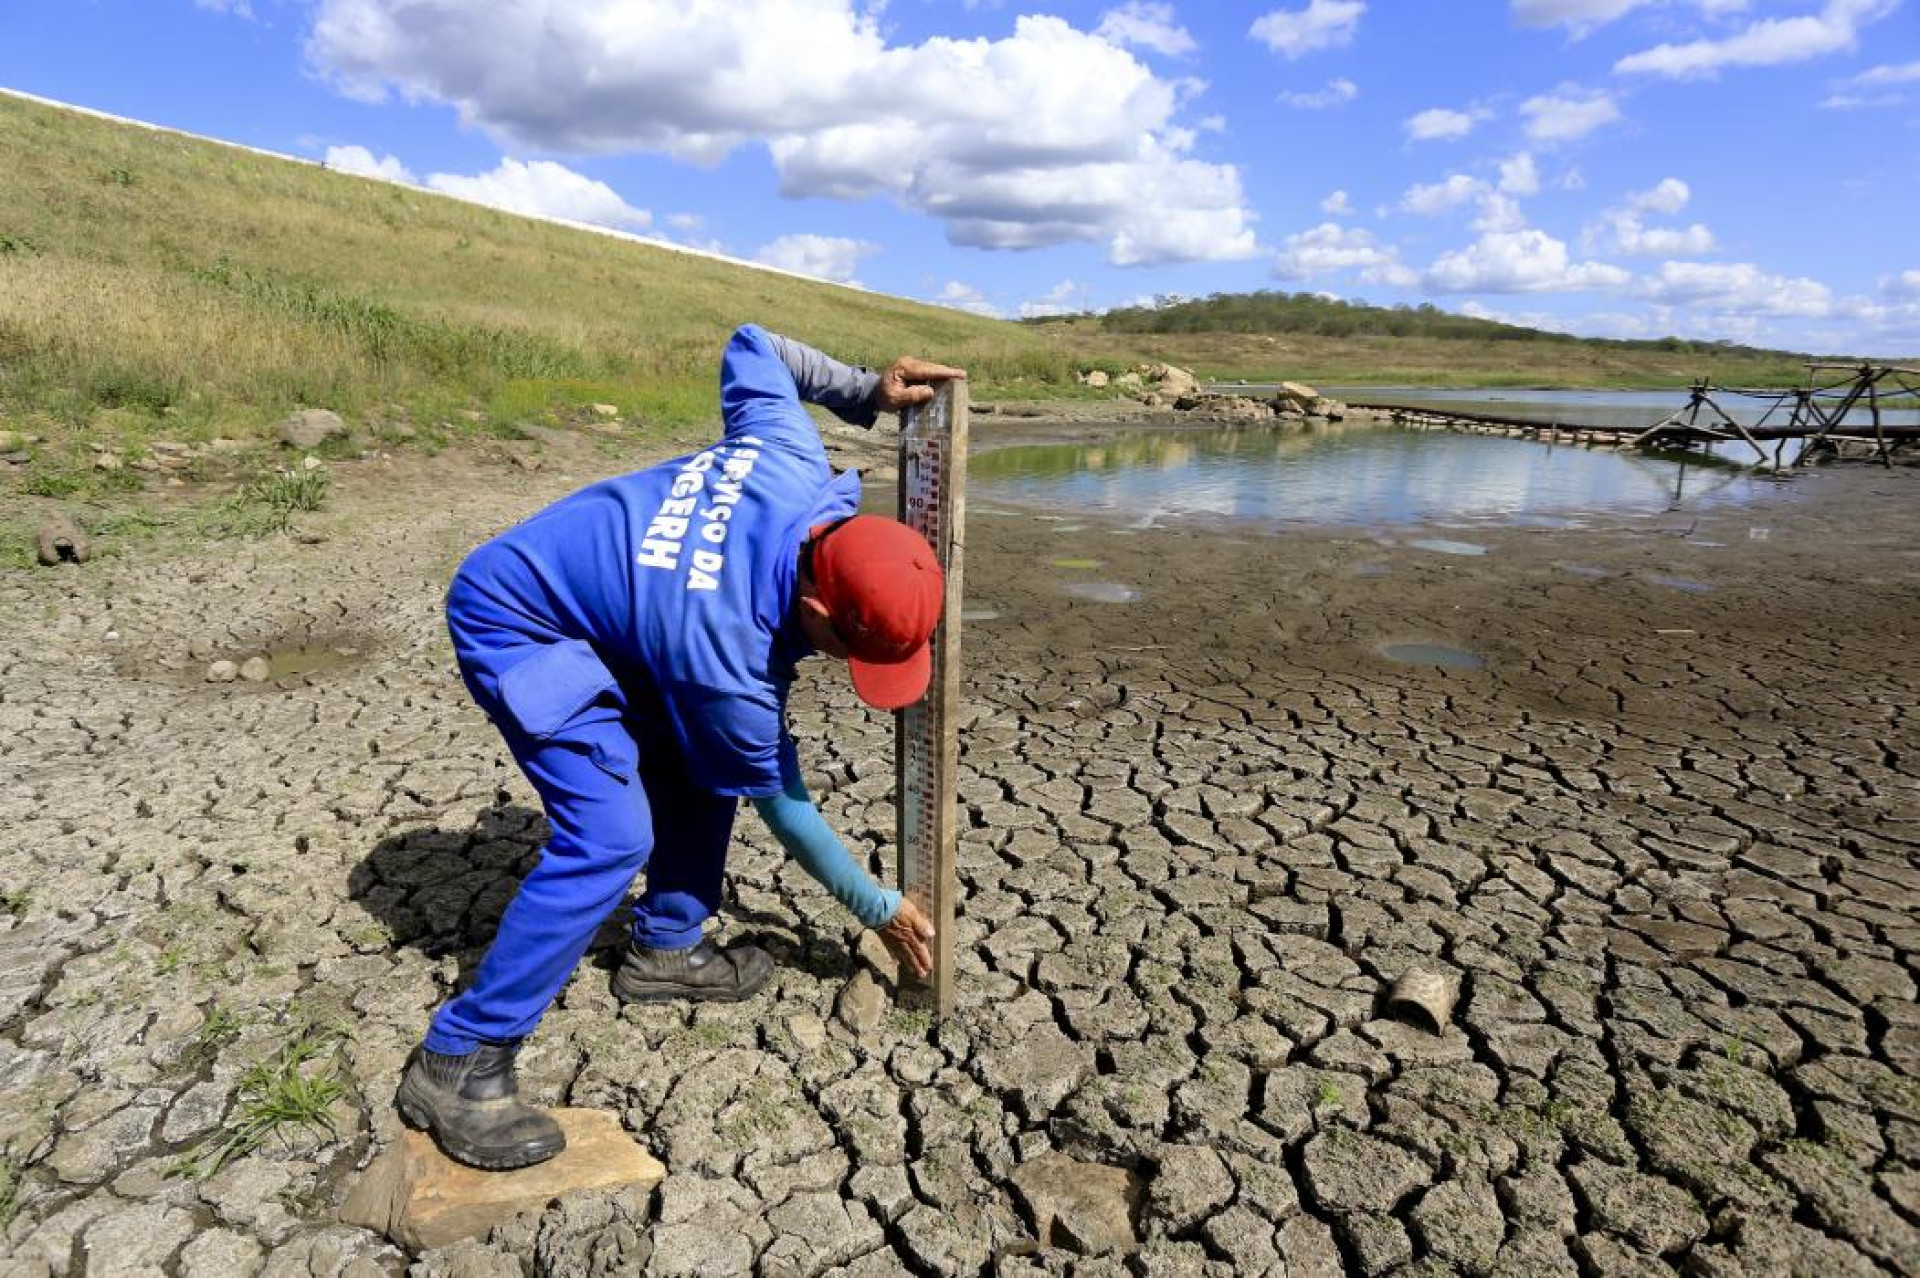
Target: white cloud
[(1568, 114), (1323, 24), (1662, 241), (544, 189), (1769, 42), (1623, 229), (1067, 297), (1330, 248), (1904, 284), (1336, 205), (1440, 124), (1881, 76), (1338, 92), (1143, 24), (1501, 315), (238, 8), (1050, 135), (1582, 16), (1518, 176), (965, 297), (1499, 212), (1667, 196), (824, 257), (688, 222), (1735, 287), (1521, 261), (1430, 199), (361, 162), (1875, 87)]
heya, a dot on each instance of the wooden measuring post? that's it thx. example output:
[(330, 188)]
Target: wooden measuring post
[(933, 485)]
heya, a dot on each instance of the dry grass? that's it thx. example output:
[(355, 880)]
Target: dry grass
[(156, 286), (145, 275)]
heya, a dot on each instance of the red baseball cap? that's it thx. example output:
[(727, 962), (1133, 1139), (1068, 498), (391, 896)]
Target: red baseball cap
[(883, 589)]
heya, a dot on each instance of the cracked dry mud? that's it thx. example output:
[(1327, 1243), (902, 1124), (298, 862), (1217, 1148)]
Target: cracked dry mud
[(1675, 873)]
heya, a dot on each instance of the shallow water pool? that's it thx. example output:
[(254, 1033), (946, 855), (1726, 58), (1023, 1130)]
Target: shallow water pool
[(1369, 474)]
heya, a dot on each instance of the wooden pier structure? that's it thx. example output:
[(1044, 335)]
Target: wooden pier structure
[(1816, 413)]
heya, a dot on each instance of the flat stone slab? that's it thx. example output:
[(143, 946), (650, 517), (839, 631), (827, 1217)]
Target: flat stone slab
[(421, 1199)]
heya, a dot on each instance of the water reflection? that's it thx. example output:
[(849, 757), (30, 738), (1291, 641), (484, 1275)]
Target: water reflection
[(1368, 474)]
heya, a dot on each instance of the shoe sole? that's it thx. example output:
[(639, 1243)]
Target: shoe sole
[(421, 1116)]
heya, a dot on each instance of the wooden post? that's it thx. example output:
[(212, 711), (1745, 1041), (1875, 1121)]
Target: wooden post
[(933, 481)]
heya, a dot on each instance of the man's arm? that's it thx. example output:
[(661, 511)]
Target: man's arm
[(804, 833), (856, 394), (848, 391)]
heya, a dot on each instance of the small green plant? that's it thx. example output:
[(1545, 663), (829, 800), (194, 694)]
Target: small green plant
[(293, 1088), (17, 244), (10, 1193), (1736, 1049), (267, 505), (119, 177), (170, 960), (221, 1027), (1327, 1094), (15, 901), (290, 490), (52, 483)]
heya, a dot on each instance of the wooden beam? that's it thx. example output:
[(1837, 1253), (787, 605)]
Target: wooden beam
[(933, 485)]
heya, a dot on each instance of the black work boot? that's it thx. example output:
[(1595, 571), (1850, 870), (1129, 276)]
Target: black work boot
[(472, 1106), (704, 972)]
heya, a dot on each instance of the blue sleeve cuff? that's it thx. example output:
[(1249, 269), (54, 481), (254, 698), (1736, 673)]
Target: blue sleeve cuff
[(804, 833)]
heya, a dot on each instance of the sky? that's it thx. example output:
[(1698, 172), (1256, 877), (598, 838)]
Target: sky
[(1742, 170)]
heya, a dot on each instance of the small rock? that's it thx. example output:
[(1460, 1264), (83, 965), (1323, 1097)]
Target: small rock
[(420, 1198), (222, 672), (310, 462), (1190, 1186), (255, 669), (528, 462), (1348, 1171), (861, 1003), (807, 1031), (62, 540), (1658, 1216), (218, 1253), (606, 410), (1097, 379), (309, 428), (135, 1241), (108, 461), (1083, 1207)]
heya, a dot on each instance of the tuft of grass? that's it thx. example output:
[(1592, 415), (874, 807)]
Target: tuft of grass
[(15, 901), (11, 1195), (221, 1026), (296, 1087), (267, 505)]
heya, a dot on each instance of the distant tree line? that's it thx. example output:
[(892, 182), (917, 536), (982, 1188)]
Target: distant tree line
[(1273, 311)]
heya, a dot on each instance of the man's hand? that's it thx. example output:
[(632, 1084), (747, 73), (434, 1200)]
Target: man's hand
[(909, 938), (909, 381)]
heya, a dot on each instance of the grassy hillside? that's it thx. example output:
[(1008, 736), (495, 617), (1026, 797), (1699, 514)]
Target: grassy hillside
[(154, 287), (145, 275), (1334, 339), (1374, 360)]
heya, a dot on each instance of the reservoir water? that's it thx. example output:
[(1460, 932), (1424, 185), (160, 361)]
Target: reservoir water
[(1371, 474)]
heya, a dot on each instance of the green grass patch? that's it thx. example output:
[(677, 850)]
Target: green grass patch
[(11, 1195), (294, 1088), (16, 902)]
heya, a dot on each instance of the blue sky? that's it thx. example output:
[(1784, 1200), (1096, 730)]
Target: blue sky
[(1743, 169)]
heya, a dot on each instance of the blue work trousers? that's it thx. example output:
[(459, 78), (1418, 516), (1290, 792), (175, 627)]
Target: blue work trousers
[(618, 799)]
